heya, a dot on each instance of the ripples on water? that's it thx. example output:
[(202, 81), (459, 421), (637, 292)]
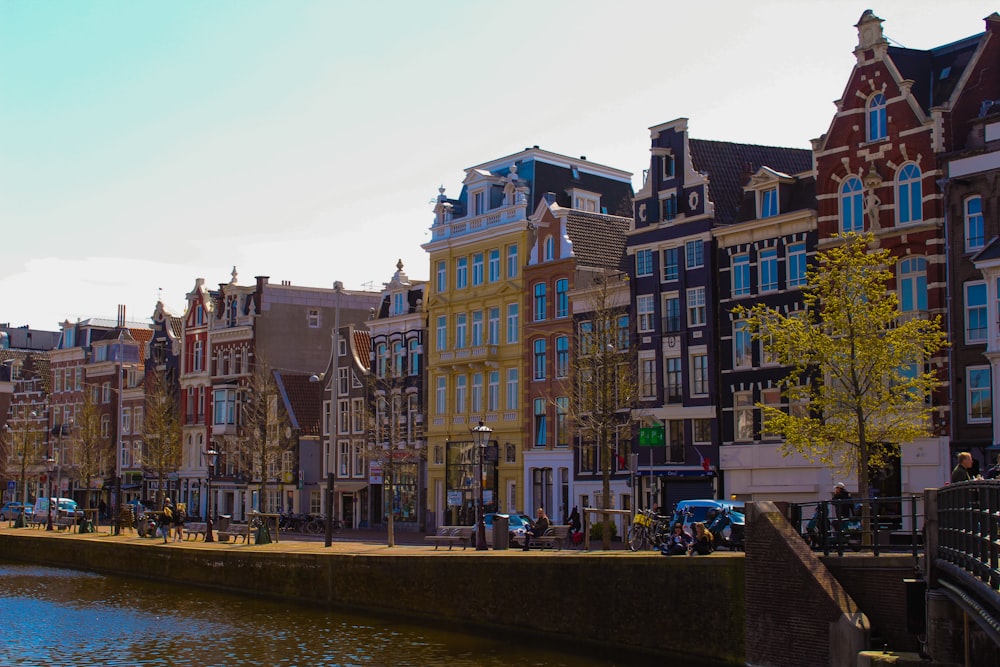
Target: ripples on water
[(66, 618)]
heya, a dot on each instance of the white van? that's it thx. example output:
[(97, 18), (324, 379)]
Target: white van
[(64, 508)]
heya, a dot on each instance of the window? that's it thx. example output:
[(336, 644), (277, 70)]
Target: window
[(540, 426), (512, 389), (768, 203), (741, 275), (672, 379), (344, 416), (493, 391), (442, 333), (413, 364), (671, 263), (460, 330), (540, 299), (742, 416), (667, 166), (442, 276), (477, 393), (699, 374), (358, 415), (380, 360), (586, 337), (877, 127), (796, 264), (224, 403), (742, 345), (477, 269), (493, 326), (539, 359), (312, 318), (913, 285), (562, 298), (441, 395), (562, 357), (512, 323), (105, 426), (696, 306), (671, 314), (694, 253), (493, 267), (975, 312), (479, 202), (399, 304), (549, 249), (126, 422), (647, 377), (909, 197), (980, 399), (460, 392), (477, 328), (462, 273), (852, 205), (770, 397), (644, 311), (397, 358), (512, 261), (769, 270), (623, 338), (668, 208), (701, 430), (675, 440), (644, 262), (562, 418), (198, 360), (974, 232)]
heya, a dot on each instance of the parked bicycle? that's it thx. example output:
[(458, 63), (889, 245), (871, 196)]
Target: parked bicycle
[(648, 531)]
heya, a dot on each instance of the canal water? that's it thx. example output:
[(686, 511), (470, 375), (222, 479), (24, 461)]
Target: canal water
[(65, 618)]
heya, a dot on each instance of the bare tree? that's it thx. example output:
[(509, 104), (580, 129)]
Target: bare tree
[(21, 445), (389, 443), (602, 380), (264, 430), (161, 430), (91, 449)]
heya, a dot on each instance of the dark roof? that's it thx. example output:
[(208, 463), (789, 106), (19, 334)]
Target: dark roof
[(935, 72), (26, 338), (729, 166), (598, 240), (991, 251), (303, 400)]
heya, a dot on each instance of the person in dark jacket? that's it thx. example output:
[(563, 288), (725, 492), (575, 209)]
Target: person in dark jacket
[(701, 543), (963, 470), (538, 528), (677, 542)]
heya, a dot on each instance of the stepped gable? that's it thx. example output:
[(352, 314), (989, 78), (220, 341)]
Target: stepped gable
[(729, 165), (598, 240)]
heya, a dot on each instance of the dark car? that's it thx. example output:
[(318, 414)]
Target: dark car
[(10, 511)]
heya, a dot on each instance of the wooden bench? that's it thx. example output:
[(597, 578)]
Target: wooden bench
[(555, 536), (193, 529), (451, 535), (235, 530), (64, 523)]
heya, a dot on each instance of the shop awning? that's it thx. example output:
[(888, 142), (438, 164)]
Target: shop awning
[(348, 486)]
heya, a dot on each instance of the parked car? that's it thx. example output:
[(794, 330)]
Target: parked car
[(65, 507), (516, 525), (10, 511), (731, 522)]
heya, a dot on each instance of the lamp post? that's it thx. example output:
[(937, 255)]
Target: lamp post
[(332, 376), (210, 456), (481, 438), (49, 462)]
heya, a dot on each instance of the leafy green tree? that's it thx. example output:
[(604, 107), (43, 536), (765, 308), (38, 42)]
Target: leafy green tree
[(857, 365)]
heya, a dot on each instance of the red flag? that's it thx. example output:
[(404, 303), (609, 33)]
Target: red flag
[(706, 463)]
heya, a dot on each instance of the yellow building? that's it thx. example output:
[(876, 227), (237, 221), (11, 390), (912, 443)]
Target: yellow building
[(476, 321)]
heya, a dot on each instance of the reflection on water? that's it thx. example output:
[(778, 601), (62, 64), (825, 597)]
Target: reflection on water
[(66, 618)]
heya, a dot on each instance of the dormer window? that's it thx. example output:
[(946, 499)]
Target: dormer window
[(584, 200), (398, 304), (479, 202), (668, 208), (768, 202), (548, 249)]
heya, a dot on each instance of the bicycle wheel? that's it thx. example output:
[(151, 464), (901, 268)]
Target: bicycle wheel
[(314, 527), (637, 539)]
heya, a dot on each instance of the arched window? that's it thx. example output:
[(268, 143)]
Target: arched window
[(909, 194), (381, 356), (876, 117), (913, 284), (852, 205), (974, 232)]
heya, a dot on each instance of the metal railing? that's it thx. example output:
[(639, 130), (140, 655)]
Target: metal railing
[(873, 525)]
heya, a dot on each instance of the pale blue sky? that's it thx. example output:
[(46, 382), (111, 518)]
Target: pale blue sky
[(147, 144)]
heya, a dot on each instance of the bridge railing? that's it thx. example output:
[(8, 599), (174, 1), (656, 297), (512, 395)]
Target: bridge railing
[(964, 550), (875, 525)]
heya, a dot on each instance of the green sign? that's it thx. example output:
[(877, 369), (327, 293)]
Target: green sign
[(652, 436)]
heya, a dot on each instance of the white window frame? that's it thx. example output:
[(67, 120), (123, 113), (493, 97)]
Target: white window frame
[(972, 390)]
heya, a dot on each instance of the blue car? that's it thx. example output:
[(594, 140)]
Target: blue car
[(10, 511), (723, 518)]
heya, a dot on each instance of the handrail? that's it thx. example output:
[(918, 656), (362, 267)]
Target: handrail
[(868, 524)]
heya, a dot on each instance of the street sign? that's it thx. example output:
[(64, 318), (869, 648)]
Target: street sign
[(652, 436)]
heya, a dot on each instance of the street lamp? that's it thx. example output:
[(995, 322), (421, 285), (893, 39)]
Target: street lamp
[(49, 461), (331, 475), (481, 438), (210, 456)]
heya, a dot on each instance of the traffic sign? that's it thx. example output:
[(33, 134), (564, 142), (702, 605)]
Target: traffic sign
[(652, 436)]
